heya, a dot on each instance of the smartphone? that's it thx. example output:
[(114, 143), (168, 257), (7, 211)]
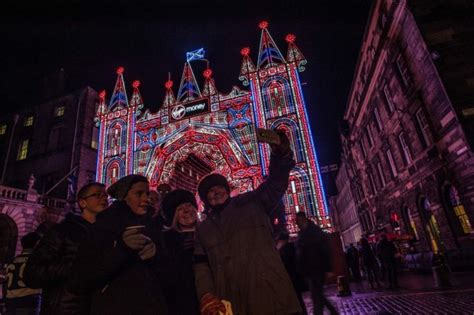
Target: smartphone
[(268, 136)]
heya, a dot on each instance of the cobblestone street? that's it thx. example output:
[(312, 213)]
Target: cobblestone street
[(417, 295), (451, 302)]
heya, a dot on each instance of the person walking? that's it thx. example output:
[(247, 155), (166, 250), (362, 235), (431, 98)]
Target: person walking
[(287, 252), (369, 263), (387, 253), (235, 258), (314, 260)]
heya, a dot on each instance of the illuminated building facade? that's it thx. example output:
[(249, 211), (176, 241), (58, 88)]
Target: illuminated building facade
[(200, 131)]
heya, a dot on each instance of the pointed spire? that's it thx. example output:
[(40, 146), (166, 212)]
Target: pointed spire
[(269, 54), (247, 66), (169, 96), (136, 99), (209, 85), (294, 54), (102, 108), (119, 96), (188, 89)]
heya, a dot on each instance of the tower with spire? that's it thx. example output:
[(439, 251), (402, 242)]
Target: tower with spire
[(204, 130)]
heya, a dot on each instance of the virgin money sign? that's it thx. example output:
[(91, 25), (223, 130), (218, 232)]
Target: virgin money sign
[(190, 109)]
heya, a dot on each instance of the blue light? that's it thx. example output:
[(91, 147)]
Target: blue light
[(197, 54)]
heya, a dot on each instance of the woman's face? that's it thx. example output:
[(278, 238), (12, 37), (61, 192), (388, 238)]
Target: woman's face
[(138, 198), (186, 214)]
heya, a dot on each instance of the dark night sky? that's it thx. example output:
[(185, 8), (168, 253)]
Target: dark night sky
[(90, 40)]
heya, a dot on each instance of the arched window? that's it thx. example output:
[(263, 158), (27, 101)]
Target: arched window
[(458, 209), (410, 223), (432, 226), (113, 172)]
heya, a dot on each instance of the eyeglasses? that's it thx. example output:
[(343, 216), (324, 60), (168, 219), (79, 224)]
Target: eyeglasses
[(97, 195)]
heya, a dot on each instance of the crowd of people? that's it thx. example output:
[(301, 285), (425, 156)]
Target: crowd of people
[(374, 261), (147, 252)]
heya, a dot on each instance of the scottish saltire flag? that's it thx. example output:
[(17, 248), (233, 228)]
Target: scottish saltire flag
[(195, 55)]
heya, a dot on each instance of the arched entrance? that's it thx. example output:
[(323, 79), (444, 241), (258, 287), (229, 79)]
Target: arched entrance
[(192, 153), (455, 211), (8, 238), (431, 224)]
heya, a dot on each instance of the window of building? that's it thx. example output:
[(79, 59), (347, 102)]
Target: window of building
[(403, 69), (95, 138), (405, 148), (410, 223), (424, 127), (391, 162), (381, 176), (388, 99), (54, 138), (459, 210), (372, 183), (28, 121), (362, 148), (59, 111), (369, 135), (3, 129), (22, 150), (378, 121)]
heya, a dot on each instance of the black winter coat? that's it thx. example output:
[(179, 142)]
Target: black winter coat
[(180, 290), (49, 267), (122, 282), (313, 252)]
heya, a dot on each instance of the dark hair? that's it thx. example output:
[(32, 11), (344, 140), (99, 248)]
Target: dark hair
[(284, 236), (85, 189), (301, 214), (29, 240)]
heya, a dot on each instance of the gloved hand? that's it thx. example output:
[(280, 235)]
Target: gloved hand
[(134, 240), (284, 147), (211, 305), (148, 251)]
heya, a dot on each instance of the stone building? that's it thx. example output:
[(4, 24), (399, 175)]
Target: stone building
[(56, 142), (406, 131), (344, 208)]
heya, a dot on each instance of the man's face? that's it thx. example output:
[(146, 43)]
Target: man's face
[(217, 195), (138, 198), (95, 200), (186, 214)]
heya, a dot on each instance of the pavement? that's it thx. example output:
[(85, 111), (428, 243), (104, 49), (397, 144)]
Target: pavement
[(417, 294)]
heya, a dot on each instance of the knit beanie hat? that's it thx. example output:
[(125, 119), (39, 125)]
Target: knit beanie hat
[(120, 188), (210, 181), (175, 198)]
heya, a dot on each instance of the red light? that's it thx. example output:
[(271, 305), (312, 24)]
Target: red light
[(394, 217), (102, 94), (290, 38), (120, 70), (263, 24), (207, 73), (245, 51), (169, 84), (136, 83)]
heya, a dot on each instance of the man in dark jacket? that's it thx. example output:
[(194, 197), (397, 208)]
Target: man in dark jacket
[(235, 255), (314, 260), (49, 266), (119, 263)]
